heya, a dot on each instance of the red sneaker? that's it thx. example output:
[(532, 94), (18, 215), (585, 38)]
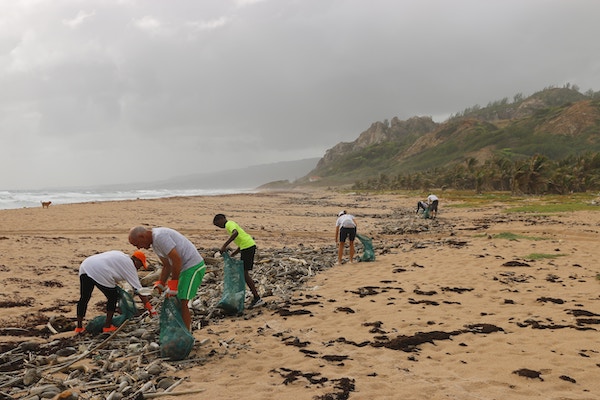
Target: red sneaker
[(111, 328), (79, 330)]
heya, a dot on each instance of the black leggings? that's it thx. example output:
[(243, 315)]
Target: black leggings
[(86, 287)]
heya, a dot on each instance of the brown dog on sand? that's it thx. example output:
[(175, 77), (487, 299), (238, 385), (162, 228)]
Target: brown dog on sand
[(45, 204)]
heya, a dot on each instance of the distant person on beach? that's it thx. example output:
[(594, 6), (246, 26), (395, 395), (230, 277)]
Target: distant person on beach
[(181, 262), (421, 205), (432, 200), (103, 271), (345, 228), (246, 248)]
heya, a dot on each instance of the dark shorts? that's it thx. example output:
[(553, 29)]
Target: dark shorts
[(434, 205), (347, 233), (247, 256)]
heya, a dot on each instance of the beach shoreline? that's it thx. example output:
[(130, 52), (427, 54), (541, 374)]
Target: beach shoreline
[(447, 310), (14, 199)]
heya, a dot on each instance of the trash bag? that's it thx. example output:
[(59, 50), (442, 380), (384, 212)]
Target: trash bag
[(125, 304), (367, 243), (234, 286), (426, 213), (175, 339)]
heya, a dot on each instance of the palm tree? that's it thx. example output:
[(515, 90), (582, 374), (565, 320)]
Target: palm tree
[(535, 173)]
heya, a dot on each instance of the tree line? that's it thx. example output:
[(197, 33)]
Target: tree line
[(534, 175), (503, 108)]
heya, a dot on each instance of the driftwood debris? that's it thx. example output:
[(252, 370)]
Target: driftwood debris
[(126, 365)]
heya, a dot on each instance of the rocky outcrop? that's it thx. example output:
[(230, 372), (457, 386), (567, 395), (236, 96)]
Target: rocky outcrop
[(528, 107), (575, 120), (455, 129), (419, 125), (502, 127), (379, 132)]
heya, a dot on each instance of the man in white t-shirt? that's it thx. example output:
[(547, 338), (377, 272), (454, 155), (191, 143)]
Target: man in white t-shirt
[(433, 200), (181, 262), (103, 271), (345, 228)]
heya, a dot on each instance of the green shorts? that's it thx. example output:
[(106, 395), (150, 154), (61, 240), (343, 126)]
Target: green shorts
[(189, 281)]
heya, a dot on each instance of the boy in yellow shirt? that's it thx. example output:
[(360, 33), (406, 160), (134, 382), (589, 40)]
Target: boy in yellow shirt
[(246, 248)]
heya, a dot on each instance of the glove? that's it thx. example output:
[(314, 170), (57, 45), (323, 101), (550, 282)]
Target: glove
[(150, 309), (159, 286), (172, 287)]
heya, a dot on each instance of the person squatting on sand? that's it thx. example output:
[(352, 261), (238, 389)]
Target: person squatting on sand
[(432, 200), (103, 271), (421, 205), (246, 248), (180, 260), (345, 227)]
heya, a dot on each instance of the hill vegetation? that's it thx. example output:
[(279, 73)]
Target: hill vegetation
[(547, 142)]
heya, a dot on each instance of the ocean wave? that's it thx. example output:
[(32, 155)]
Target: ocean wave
[(21, 199)]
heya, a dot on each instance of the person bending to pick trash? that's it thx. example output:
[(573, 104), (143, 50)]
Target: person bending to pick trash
[(345, 227), (433, 200), (181, 262), (421, 205), (103, 271), (246, 248)]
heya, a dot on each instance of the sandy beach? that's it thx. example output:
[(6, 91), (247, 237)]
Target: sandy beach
[(450, 308)]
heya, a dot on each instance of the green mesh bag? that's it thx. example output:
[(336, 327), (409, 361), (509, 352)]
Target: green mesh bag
[(426, 213), (234, 286), (175, 339), (125, 304), (367, 243)]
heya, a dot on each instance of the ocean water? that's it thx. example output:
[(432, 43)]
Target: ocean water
[(10, 199)]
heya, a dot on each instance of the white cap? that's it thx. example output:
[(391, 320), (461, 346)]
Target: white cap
[(341, 213)]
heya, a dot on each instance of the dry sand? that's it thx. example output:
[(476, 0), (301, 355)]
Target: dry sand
[(447, 310)]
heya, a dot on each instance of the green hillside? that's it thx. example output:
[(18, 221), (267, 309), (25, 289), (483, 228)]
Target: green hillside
[(553, 128)]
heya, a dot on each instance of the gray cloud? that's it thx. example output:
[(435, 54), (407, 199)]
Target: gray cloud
[(115, 91)]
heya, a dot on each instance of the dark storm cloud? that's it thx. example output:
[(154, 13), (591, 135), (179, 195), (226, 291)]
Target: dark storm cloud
[(203, 86)]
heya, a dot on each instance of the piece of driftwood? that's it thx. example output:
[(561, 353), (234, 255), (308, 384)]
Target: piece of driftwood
[(163, 394), (88, 352), (129, 359)]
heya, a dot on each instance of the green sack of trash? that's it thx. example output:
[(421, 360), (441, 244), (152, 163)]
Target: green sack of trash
[(368, 252), (125, 304), (176, 341), (234, 286), (426, 213)]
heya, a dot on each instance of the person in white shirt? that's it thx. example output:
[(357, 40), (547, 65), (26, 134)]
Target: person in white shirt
[(433, 205), (345, 228), (181, 262), (103, 271)]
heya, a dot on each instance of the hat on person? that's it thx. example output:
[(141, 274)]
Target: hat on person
[(142, 257), (341, 213)]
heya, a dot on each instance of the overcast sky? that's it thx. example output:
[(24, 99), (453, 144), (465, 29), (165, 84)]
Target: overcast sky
[(115, 91)]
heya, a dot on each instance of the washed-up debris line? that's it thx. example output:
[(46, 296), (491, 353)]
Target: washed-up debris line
[(126, 364)]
